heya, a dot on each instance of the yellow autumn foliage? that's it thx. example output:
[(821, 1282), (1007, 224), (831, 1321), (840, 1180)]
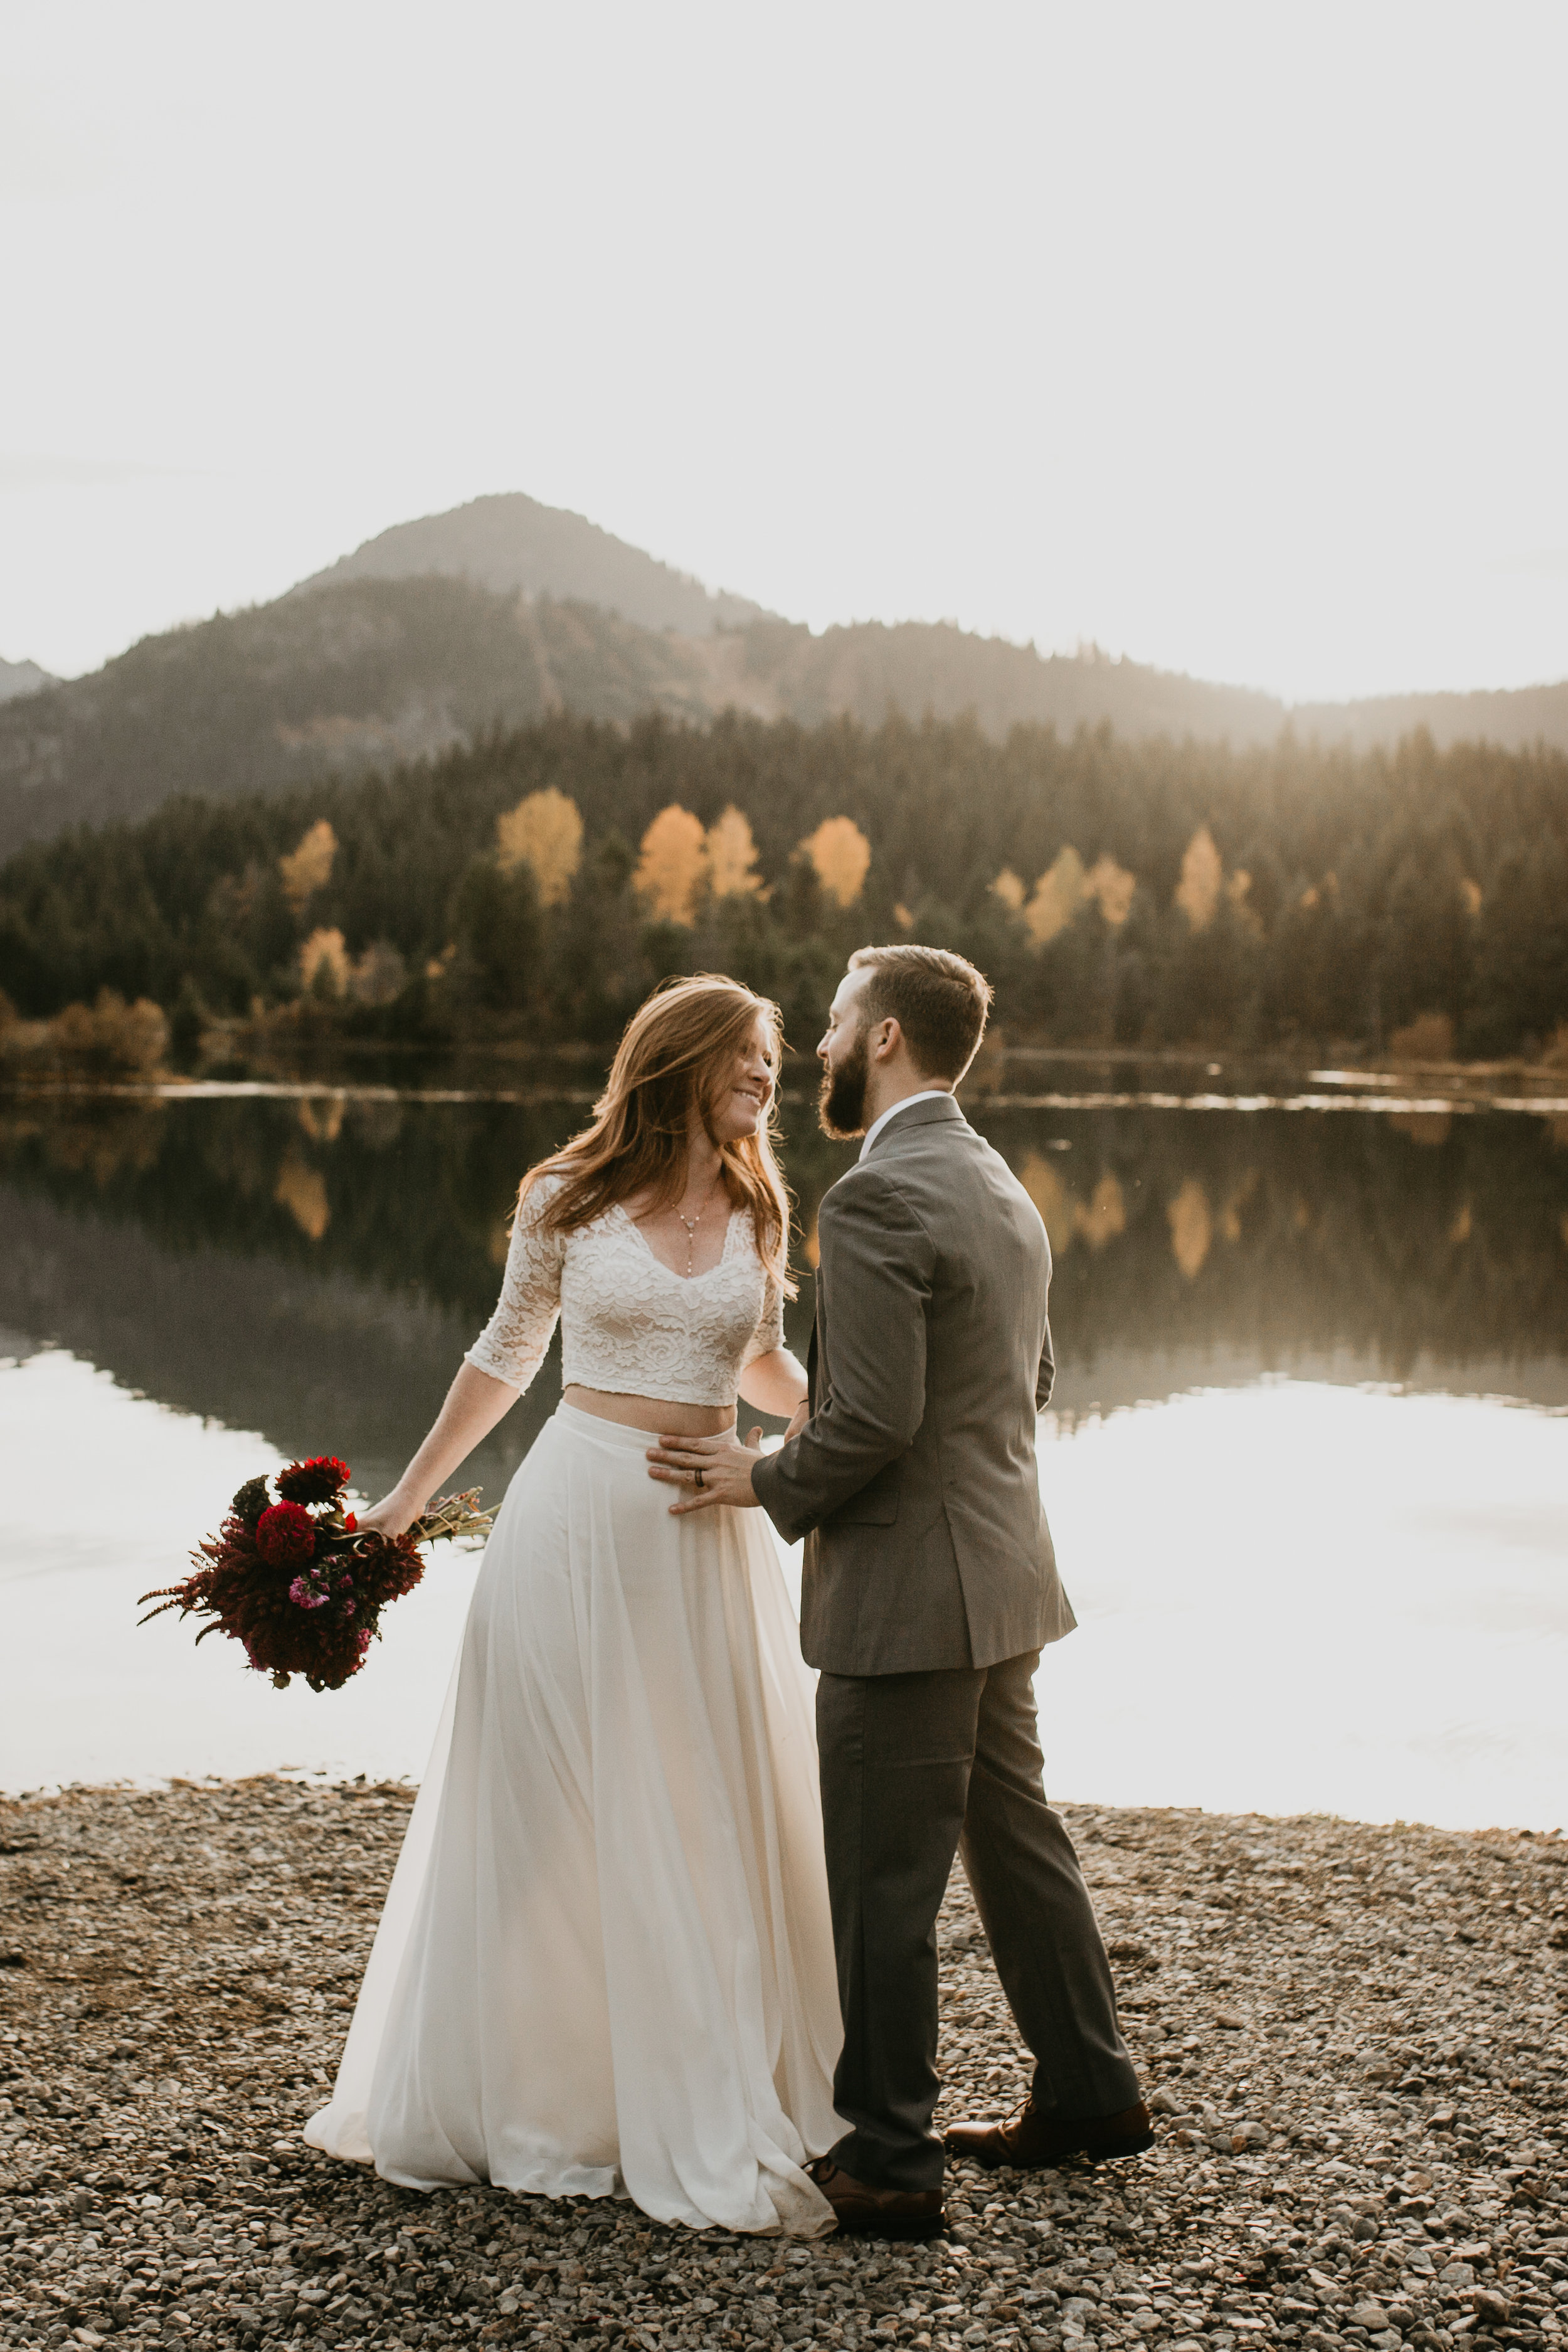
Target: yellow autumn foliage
[(1066, 1216), (1058, 896), (325, 964), (673, 865), (301, 1190), (1113, 886), (1191, 1221), (544, 833), (1203, 878), (310, 864), (733, 858), (1010, 891), (840, 856)]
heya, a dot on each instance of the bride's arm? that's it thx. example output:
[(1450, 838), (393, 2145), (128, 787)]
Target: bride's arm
[(475, 1402), (493, 1374), (774, 1383)]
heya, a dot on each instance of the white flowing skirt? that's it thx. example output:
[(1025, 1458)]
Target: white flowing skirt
[(605, 1963)]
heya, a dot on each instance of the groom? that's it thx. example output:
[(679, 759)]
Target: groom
[(929, 1588)]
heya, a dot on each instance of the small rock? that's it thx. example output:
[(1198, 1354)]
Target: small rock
[(1491, 2310)]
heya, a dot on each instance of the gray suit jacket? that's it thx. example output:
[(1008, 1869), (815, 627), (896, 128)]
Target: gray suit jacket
[(914, 1483)]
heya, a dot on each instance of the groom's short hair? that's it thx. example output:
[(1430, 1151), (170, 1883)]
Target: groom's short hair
[(938, 999)]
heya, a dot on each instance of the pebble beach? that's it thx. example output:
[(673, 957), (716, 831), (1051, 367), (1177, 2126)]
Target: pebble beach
[(1352, 2038)]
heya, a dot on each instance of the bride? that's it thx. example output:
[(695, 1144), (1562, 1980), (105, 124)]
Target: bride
[(605, 1963)]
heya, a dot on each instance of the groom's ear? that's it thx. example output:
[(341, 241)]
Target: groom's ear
[(886, 1037)]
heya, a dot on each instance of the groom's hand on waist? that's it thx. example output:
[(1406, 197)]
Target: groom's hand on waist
[(708, 1470)]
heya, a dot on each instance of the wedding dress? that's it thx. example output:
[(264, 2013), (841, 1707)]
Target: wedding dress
[(606, 1961)]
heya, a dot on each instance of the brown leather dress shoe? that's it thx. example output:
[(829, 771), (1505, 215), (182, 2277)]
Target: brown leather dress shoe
[(878, 2213), (1031, 2137)]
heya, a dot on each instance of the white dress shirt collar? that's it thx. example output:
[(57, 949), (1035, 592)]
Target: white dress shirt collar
[(929, 1094)]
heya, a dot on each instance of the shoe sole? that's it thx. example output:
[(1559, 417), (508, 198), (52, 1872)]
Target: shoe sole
[(903, 2232), (989, 2163)]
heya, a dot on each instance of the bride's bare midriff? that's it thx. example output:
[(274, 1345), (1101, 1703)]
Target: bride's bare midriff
[(656, 1413)]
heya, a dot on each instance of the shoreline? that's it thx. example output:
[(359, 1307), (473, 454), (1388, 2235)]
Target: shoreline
[(1352, 2036), (328, 1063)]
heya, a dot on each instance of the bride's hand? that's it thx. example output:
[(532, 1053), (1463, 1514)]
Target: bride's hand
[(391, 1517)]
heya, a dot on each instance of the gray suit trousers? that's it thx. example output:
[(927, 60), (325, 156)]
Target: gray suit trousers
[(916, 1768)]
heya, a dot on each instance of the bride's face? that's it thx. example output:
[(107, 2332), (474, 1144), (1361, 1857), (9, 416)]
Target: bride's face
[(743, 1107)]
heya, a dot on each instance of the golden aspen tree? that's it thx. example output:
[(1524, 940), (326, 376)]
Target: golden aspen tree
[(1203, 878), (840, 855), (544, 833), (1192, 1228), (1010, 891), (733, 858), (1058, 896), (1113, 886), (1236, 887), (1057, 1204), (310, 864), (324, 963), (301, 1190), (673, 865), (1106, 1216)]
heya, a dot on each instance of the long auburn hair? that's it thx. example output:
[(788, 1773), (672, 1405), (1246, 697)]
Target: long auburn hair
[(681, 1041)]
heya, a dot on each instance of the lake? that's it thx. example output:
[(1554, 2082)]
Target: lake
[(1307, 1462)]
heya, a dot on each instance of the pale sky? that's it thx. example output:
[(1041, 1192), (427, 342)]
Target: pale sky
[(1233, 336)]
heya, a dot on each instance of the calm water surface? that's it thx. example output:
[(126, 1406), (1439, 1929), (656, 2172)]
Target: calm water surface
[(1307, 1464)]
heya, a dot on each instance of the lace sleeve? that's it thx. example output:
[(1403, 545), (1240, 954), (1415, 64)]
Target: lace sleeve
[(514, 1342), (768, 1333)]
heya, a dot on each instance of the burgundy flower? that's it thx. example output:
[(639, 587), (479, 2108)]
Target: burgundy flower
[(316, 1481), (318, 1624), (286, 1535)]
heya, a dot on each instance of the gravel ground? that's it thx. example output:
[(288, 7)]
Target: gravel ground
[(1354, 2038)]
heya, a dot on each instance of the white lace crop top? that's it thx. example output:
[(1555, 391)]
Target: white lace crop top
[(628, 1325)]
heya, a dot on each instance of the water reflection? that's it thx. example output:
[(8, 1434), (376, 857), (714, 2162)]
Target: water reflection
[(317, 1265), (1281, 1585)]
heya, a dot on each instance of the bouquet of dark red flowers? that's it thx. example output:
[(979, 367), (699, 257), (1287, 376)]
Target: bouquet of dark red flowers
[(299, 1581)]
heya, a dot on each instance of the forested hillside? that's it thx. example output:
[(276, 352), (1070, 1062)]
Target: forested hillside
[(353, 677), (535, 885), (21, 677), (363, 672)]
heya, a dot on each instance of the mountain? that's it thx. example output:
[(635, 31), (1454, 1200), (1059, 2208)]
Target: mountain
[(777, 669), (504, 610), (21, 677), (363, 674), (513, 544), (1514, 718)]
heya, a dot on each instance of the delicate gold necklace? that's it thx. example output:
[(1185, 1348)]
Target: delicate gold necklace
[(691, 1224)]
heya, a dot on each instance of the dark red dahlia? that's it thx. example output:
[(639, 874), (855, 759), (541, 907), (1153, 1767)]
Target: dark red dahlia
[(286, 1535), (316, 1481)]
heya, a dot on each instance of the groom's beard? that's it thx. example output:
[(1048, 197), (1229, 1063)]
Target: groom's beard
[(841, 1105)]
